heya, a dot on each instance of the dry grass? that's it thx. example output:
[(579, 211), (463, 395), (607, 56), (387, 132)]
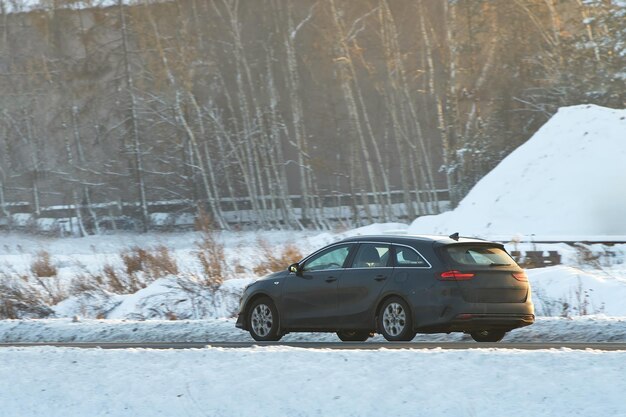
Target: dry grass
[(113, 280), (29, 295), (210, 253), (141, 266), (160, 263), (274, 261), (155, 262), (134, 259), (20, 300), (85, 283), (42, 266)]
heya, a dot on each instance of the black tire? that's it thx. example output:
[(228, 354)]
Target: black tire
[(263, 320), (353, 335), (491, 336), (395, 321)]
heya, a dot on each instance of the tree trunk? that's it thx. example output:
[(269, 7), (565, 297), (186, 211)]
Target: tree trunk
[(134, 120)]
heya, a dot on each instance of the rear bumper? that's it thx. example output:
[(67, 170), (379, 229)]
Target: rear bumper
[(470, 322)]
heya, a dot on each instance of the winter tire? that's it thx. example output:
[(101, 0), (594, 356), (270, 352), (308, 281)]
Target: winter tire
[(394, 320), (263, 321)]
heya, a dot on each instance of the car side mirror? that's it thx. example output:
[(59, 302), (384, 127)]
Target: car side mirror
[(295, 268)]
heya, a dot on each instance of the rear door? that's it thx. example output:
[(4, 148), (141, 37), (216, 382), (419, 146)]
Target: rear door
[(361, 284), (486, 273), (413, 276)]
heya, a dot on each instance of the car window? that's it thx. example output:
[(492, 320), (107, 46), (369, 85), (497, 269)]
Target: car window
[(478, 255), (409, 258), (332, 258), (371, 255)]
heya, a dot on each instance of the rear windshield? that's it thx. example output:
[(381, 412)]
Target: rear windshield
[(478, 255)]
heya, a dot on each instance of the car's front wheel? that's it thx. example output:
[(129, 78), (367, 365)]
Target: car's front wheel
[(488, 335), (263, 320), (353, 335), (394, 320)]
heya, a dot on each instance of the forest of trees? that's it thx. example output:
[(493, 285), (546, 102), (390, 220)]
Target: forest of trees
[(283, 108)]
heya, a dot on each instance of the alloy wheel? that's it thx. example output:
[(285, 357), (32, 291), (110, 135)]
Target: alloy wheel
[(262, 320), (394, 319)]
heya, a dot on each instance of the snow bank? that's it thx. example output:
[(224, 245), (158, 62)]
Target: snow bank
[(567, 180), (567, 290), (282, 381), (166, 298), (597, 328)]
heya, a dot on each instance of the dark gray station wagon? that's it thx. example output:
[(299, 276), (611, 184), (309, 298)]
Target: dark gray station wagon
[(394, 285)]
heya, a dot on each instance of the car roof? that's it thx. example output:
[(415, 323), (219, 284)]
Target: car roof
[(408, 239)]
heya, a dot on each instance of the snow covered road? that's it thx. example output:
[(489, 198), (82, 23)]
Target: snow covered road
[(285, 381)]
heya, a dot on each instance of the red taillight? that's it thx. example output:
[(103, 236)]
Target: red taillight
[(520, 276), (455, 276)]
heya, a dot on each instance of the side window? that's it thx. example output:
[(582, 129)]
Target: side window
[(409, 258), (371, 255), (332, 258)]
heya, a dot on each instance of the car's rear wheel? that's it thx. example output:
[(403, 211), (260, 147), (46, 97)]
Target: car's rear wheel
[(394, 320), (263, 320), (492, 336), (353, 335)]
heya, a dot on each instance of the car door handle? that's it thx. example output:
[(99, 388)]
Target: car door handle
[(380, 277), (331, 279)]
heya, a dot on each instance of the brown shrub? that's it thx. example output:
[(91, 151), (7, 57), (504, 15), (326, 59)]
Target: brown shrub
[(19, 300), (160, 263), (210, 252), (42, 266), (154, 262), (134, 259), (114, 282), (274, 261), (85, 283)]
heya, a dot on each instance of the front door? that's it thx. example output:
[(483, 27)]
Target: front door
[(310, 297)]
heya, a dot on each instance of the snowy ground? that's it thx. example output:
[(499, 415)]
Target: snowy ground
[(598, 328), (284, 381)]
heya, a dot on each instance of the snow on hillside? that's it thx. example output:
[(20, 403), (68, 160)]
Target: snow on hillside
[(568, 180), (282, 381)]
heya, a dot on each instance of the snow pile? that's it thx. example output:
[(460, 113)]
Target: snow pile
[(281, 381), (564, 290), (172, 298), (568, 181)]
